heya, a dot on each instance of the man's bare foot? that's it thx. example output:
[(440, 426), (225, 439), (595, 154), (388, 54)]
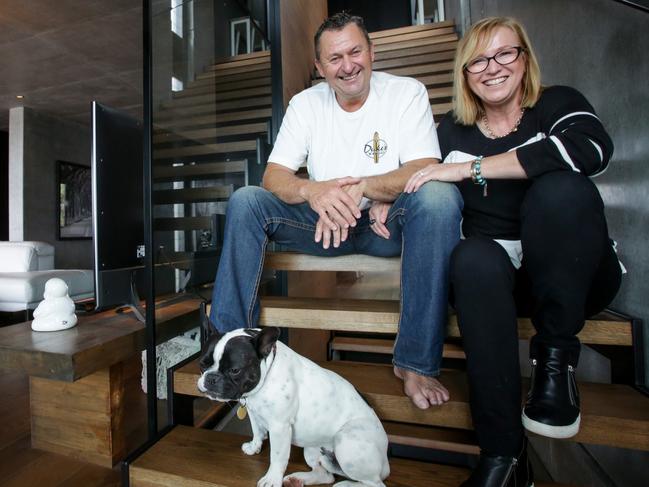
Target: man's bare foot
[(423, 391)]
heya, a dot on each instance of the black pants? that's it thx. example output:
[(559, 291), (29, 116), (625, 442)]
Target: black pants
[(569, 272)]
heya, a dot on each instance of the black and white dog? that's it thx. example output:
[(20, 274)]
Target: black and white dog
[(295, 401)]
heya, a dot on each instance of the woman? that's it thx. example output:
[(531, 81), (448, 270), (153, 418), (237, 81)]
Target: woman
[(536, 241)]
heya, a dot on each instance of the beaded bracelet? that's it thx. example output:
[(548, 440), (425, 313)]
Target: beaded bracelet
[(476, 175)]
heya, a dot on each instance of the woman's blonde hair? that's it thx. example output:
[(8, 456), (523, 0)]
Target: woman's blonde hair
[(466, 105)]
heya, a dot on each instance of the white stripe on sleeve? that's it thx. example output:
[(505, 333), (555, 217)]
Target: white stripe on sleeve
[(573, 114), (598, 149), (564, 153)]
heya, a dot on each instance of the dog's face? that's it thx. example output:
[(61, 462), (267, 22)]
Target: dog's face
[(231, 365)]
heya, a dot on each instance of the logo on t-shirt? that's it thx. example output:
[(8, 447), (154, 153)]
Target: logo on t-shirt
[(375, 148)]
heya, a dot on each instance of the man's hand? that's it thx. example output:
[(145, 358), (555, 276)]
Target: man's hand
[(328, 236), (378, 216), (337, 208)]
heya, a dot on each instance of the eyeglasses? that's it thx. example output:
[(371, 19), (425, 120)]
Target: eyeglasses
[(504, 57)]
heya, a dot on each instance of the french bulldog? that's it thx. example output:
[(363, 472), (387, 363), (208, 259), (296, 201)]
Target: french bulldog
[(292, 400)]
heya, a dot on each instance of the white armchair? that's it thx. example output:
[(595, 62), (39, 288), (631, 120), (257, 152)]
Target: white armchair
[(25, 267)]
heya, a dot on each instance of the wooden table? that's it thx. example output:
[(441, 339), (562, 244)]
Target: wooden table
[(85, 396)]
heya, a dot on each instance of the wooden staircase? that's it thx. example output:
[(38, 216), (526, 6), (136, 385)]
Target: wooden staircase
[(614, 415), (210, 139)]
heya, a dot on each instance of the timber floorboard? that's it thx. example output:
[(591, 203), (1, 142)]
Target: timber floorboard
[(23, 466)]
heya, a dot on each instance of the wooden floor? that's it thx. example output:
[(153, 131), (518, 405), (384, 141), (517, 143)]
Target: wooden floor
[(22, 466)]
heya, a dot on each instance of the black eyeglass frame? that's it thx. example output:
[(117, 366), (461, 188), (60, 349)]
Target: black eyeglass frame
[(519, 49)]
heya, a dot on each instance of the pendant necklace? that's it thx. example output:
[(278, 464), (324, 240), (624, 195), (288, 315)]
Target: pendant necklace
[(514, 128)]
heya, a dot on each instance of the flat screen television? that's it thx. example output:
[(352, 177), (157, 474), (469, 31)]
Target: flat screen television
[(117, 206)]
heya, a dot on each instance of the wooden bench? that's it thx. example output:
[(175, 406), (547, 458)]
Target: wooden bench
[(86, 400)]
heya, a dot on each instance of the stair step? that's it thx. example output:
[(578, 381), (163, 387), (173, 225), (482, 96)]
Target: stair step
[(434, 438), (382, 316), (232, 105), (611, 414), (401, 62), (416, 42), (383, 346), (295, 261), (204, 170), (192, 195), (241, 60), (197, 457), (184, 223), (214, 118), (422, 69), (205, 149), (416, 50), (194, 89), (199, 99), (374, 36), (421, 37), (253, 70), (211, 133)]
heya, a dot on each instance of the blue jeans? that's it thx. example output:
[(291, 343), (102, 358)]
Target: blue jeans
[(424, 228)]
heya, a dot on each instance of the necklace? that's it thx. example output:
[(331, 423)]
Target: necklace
[(514, 128)]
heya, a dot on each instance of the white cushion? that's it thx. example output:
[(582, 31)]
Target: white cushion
[(24, 290), (18, 258), (43, 260)]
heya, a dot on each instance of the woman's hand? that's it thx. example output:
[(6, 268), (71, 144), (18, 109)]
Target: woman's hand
[(378, 215), (450, 173)]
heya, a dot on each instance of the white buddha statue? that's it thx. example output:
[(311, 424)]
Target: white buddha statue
[(56, 311)]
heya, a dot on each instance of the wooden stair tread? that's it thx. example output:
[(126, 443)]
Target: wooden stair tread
[(198, 171), (612, 414), (214, 118), (416, 50), (210, 133), (435, 438), (294, 261), (204, 149), (242, 71), (409, 29), (194, 89), (384, 346), (197, 457), (449, 36), (422, 36), (382, 316), (187, 195), (215, 97), (232, 105)]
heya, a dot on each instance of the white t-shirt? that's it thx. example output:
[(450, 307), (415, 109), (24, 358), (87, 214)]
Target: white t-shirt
[(394, 126)]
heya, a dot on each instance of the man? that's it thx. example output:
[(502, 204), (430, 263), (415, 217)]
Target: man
[(362, 135)]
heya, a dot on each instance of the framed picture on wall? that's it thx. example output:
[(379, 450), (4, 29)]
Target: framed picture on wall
[(74, 191)]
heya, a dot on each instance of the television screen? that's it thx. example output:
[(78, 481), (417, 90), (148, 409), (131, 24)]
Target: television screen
[(117, 204)]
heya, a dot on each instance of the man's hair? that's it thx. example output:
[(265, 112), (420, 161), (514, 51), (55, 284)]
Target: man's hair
[(338, 22), (466, 104)]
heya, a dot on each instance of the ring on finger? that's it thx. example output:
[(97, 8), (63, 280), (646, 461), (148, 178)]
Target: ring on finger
[(421, 174), (372, 221)]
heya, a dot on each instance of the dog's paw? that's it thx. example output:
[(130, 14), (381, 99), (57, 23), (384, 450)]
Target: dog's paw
[(292, 482), (251, 447), (270, 481)]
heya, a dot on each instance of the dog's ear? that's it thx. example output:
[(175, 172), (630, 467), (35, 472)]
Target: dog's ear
[(266, 340), (208, 329)]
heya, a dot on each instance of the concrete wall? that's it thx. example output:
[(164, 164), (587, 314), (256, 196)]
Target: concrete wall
[(600, 47), (4, 185), (36, 142)]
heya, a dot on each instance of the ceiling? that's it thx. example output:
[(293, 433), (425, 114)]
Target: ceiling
[(60, 55)]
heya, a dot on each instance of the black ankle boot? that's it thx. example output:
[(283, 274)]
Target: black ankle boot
[(552, 406), (501, 471)]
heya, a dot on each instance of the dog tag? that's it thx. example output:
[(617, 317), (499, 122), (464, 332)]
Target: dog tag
[(241, 412)]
